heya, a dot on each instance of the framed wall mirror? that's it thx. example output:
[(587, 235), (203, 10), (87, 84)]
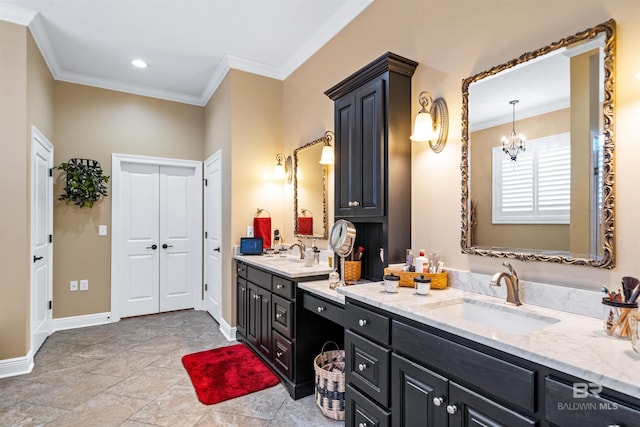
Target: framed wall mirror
[(310, 189), (537, 154)]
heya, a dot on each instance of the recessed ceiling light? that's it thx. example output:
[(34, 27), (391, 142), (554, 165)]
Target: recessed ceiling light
[(139, 63)]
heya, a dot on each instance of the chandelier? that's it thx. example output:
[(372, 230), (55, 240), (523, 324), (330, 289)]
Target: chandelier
[(513, 144)]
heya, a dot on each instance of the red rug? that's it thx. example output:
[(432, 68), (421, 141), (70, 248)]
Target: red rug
[(227, 372)]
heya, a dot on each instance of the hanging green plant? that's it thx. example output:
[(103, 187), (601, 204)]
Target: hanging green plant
[(85, 182)]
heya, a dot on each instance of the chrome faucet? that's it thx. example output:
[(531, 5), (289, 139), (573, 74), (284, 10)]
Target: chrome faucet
[(299, 245), (511, 281)]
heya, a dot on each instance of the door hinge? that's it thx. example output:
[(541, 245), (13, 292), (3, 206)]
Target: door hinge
[(206, 182), (205, 287), (206, 234), (50, 304), (50, 238), (50, 171)]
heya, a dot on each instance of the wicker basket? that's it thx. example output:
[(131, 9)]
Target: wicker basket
[(438, 280), (352, 270), (330, 385)]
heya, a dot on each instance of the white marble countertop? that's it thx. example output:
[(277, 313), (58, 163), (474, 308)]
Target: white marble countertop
[(575, 344), (290, 266), (321, 288)]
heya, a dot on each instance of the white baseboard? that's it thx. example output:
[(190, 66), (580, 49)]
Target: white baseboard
[(228, 332), (73, 322), (16, 366)]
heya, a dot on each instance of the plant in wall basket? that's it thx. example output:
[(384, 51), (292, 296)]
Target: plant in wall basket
[(85, 182)]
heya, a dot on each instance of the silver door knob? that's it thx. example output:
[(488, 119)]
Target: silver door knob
[(362, 322), (438, 401), (452, 409), (362, 367)]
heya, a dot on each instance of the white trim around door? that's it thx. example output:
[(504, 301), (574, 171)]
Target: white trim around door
[(121, 273)]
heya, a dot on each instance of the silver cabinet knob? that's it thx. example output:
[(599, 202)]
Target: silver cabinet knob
[(362, 322), (362, 425), (279, 315), (356, 203), (613, 425), (278, 354), (362, 367), (279, 286), (321, 309), (438, 401), (452, 409)]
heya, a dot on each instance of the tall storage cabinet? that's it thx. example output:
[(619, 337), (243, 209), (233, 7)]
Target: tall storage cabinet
[(372, 113)]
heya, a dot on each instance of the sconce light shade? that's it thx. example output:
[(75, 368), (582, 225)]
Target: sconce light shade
[(432, 122), (283, 170), (327, 157)]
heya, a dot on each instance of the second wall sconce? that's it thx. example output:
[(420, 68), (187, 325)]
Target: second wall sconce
[(283, 170), (432, 122), (327, 157)]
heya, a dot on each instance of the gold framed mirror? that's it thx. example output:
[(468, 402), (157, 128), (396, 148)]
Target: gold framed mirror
[(310, 190), (548, 196)]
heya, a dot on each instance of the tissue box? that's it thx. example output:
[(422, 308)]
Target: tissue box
[(438, 280)]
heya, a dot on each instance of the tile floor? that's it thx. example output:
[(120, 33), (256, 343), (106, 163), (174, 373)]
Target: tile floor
[(130, 374)]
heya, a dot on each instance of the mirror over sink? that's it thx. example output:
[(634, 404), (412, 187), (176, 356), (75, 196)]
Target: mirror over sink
[(546, 192), (310, 189)]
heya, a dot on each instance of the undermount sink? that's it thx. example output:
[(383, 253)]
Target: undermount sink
[(502, 317)]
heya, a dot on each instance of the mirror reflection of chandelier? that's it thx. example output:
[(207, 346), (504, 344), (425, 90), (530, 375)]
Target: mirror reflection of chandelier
[(513, 144)]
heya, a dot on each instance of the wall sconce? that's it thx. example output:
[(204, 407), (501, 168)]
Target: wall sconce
[(327, 157), (513, 144), (432, 122), (283, 170)]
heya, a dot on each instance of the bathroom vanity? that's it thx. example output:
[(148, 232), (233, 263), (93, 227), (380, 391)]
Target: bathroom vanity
[(272, 321)]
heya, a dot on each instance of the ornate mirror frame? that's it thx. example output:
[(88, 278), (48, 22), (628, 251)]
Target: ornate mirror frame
[(326, 139), (607, 260)]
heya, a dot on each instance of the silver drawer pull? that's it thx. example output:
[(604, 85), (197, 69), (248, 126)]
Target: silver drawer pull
[(362, 322), (321, 309), (438, 401), (242, 289), (452, 409), (279, 286), (362, 367)]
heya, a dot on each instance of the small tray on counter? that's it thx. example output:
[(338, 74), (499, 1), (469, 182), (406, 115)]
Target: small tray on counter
[(438, 280)]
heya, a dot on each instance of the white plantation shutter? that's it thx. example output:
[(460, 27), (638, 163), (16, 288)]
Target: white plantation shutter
[(535, 189)]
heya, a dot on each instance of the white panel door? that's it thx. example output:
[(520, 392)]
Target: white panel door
[(178, 216), (139, 227), (213, 235), (41, 232)]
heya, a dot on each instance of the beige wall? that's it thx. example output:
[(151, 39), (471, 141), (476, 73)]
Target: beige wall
[(453, 40), (487, 234), (244, 120), (94, 123)]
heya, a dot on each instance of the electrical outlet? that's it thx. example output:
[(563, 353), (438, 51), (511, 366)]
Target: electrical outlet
[(84, 285), (102, 230), (73, 285)]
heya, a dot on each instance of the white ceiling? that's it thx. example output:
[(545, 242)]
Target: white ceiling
[(189, 45)]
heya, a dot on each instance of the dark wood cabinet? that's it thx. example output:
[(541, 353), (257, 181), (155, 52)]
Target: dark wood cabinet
[(269, 320), (372, 114)]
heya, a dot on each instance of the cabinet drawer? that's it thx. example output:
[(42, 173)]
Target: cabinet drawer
[(323, 308), (367, 367), (498, 377), (241, 270), (259, 277), (283, 354), (359, 411), (283, 287), (565, 406), (367, 323), (282, 316)]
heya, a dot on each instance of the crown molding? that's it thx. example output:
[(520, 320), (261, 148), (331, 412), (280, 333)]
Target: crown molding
[(17, 15)]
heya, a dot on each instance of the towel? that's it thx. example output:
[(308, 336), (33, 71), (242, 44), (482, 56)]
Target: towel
[(262, 228), (305, 225)]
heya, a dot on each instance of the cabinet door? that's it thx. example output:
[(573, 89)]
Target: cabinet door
[(264, 327), (253, 313), (348, 171), (469, 409), (361, 412), (418, 395), (241, 309), (370, 136)]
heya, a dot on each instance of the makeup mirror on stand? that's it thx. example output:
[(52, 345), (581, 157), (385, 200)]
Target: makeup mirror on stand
[(341, 240)]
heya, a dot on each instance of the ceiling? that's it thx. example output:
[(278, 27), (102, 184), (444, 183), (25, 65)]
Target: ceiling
[(189, 45)]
